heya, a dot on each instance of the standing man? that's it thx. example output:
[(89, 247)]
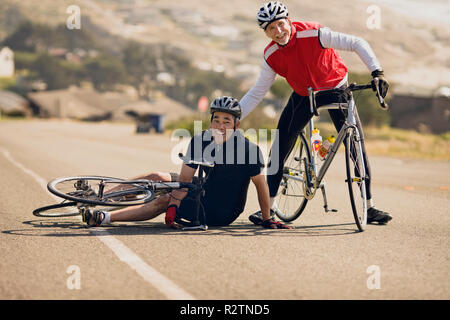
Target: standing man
[(304, 53)]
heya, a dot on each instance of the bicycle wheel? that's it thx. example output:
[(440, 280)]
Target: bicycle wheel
[(93, 190), (65, 209), (356, 175), (290, 200)]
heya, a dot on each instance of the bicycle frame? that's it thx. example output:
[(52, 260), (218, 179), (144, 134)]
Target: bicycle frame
[(349, 123), (304, 170)]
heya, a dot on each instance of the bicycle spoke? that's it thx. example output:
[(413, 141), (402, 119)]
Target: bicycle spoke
[(290, 199), (94, 190)]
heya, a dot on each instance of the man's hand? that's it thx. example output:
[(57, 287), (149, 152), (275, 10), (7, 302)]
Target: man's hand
[(272, 224), (171, 213), (383, 85)]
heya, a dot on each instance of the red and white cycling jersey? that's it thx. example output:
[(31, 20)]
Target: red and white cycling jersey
[(304, 62), (308, 60)]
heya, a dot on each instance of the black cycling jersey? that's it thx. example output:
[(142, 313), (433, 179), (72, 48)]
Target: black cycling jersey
[(236, 161)]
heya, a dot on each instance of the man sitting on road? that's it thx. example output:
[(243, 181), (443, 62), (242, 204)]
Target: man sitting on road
[(227, 184)]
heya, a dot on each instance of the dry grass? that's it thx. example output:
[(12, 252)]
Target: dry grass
[(408, 143), (394, 142)]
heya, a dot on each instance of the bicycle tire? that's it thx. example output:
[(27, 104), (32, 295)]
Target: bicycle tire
[(288, 207), (65, 188), (64, 209), (356, 175), (57, 210)]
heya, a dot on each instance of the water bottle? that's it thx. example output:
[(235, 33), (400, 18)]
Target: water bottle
[(316, 141), (326, 146)]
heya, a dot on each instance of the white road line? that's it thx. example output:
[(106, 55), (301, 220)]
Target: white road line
[(37, 178), (164, 285), (156, 279)]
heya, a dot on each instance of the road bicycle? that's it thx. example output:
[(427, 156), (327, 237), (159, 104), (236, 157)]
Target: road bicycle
[(82, 193), (301, 176)]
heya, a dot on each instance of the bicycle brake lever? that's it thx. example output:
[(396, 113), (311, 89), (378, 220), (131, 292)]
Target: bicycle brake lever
[(381, 100)]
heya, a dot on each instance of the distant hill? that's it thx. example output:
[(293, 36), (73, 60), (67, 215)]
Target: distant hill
[(413, 51)]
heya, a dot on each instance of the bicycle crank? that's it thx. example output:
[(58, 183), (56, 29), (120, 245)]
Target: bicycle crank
[(309, 183)]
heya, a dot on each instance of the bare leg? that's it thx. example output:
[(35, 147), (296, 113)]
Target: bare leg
[(143, 212), (146, 211), (154, 176)]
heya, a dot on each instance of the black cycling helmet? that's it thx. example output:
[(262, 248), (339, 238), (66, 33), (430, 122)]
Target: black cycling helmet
[(228, 105)]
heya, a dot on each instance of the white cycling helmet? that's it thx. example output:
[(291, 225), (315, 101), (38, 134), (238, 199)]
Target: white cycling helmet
[(270, 12), (228, 105)]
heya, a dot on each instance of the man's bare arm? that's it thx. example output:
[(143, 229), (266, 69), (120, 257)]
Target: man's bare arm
[(263, 195)]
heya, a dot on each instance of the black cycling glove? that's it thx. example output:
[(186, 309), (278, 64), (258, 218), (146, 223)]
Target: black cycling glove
[(383, 85)]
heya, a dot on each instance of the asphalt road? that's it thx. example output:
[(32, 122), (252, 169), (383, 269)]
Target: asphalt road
[(322, 258)]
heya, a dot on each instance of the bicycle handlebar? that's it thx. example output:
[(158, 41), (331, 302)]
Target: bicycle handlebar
[(352, 87), (355, 87)]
